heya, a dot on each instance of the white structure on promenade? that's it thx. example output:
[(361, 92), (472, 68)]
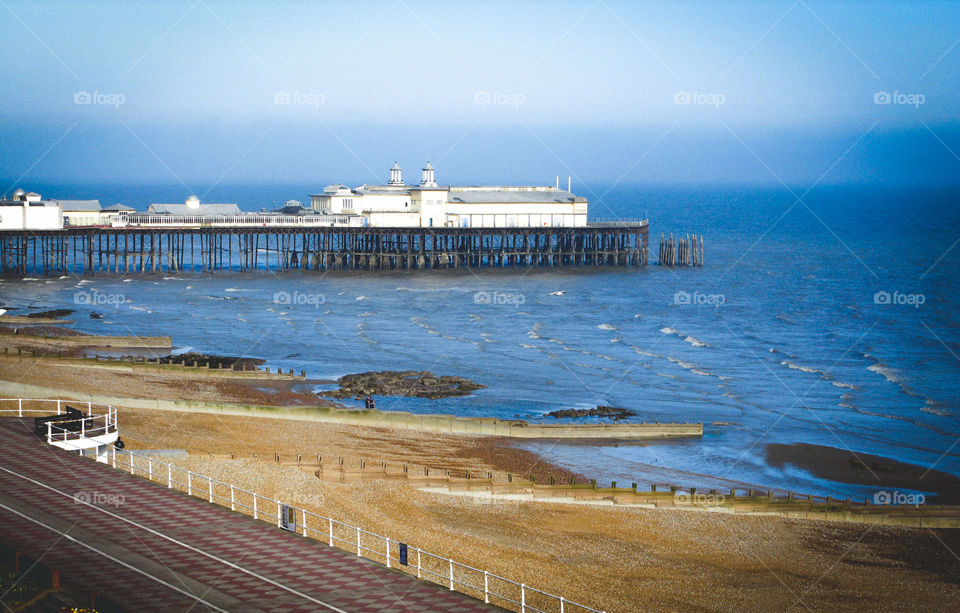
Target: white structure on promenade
[(397, 204), (29, 211)]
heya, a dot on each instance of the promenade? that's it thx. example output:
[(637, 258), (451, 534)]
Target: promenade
[(143, 547)]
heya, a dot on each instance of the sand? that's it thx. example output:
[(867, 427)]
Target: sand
[(612, 558)]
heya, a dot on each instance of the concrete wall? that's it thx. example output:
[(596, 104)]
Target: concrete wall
[(380, 419)]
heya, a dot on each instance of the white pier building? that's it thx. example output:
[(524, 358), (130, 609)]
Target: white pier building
[(428, 204)]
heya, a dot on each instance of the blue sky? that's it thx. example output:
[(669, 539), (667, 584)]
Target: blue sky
[(204, 92)]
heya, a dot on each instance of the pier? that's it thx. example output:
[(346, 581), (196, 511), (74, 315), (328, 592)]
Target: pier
[(88, 250)]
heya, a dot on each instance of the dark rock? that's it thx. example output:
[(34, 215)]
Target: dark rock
[(421, 384), (54, 314), (601, 411)]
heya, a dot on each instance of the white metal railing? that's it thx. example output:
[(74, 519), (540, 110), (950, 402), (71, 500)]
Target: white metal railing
[(99, 419), (243, 219), (481, 584)]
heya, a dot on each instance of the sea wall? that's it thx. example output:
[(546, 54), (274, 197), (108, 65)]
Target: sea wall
[(371, 417)]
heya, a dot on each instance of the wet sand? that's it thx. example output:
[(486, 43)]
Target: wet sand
[(864, 469)]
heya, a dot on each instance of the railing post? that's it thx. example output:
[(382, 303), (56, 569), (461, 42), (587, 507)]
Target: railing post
[(451, 573), (388, 551), (523, 598), (150, 469), (189, 483), (83, 428), (169, 476), (304, 512), (254, 505), (331, 532), (418, 563), (58, 407), (90, 410), (561, 604), (486, 589), (49, 432), (210, 484), (279, 515), (130, 453), (233, 502), (358, 540), (113, 452), (19, 407)]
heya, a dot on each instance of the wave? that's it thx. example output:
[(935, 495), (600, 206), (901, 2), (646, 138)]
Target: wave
[(801, 367), (931, 406), (532, 333), (238, 289), (607, 327), (691, 367), (686, 337), (892, 375)]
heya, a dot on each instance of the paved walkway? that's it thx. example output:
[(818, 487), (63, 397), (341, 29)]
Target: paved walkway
[(162, 550)]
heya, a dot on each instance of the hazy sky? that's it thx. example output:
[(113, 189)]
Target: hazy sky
[(204, 92)]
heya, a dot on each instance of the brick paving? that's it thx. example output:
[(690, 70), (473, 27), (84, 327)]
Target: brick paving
[(314, 574)]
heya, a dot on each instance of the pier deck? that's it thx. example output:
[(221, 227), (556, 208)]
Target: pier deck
[(88, 250)]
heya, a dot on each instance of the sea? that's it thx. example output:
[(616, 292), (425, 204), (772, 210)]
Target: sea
[(825, 316)]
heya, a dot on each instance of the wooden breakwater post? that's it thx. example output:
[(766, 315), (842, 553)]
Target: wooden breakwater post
[(681, 251)]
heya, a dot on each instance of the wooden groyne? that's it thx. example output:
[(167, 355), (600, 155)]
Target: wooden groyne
[(494, 485), (172, 250), (681, 251)]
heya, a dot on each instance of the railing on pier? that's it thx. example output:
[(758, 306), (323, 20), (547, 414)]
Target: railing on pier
[(137, 220)]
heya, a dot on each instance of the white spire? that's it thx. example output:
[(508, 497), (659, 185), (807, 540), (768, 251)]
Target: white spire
[(396, 175), (428, 180)]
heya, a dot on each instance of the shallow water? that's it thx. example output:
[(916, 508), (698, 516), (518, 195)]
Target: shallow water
[(779, 338)]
